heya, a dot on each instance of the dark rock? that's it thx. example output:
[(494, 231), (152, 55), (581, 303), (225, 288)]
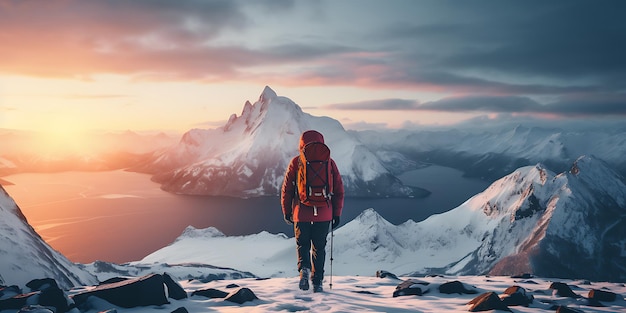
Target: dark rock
[(410, 287), (456, 287), (41, 284), (9, 291), (182, 309), (365, 292), (36, 309), (523, 276), (241, 296), (174, 290), (594, 303), (54, 297), (602, 295), (113, 280), (486, 302), (16, 302), (563, 290), (516, 295), (232, 286), (564, 309), (130, 293), (383, 274), (210, 293)]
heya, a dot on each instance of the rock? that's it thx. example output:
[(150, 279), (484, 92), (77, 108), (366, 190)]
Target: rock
[(182, 309), (241, 296), (16, 302), (523, 276), (130, 293), (35, 309), (383, 274), (232, 286), (41, 284), (174, 290), (563, 290), (411, 287), (456, 287), (516, 295), (564, 309), (486, 302), (601, 295), (9, 291), (210, 293), (113, 280), (53, 296)]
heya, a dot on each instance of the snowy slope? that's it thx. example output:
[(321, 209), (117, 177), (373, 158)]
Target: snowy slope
[(249, 155), (25, 256), (532, 221)]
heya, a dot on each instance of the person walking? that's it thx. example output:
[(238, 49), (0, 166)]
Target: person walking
[(312, 199)]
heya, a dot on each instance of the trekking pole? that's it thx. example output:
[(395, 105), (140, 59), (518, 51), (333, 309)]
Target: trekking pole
[(331, 255)]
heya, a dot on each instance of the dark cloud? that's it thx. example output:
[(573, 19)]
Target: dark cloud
[(384, 104), (575, 106)]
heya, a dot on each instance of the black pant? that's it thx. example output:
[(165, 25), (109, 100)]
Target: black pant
[(312, 235)]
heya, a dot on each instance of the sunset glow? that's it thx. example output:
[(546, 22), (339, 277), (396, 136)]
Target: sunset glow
[(69, 67)]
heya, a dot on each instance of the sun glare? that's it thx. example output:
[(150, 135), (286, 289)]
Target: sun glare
[(61, 141)]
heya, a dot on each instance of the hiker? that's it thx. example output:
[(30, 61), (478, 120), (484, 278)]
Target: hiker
[(311, 222)]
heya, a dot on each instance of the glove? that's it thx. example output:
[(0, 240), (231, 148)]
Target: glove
[(288, 219), (335, 222)]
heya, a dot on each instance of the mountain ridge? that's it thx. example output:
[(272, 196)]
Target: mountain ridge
[(248, 156)]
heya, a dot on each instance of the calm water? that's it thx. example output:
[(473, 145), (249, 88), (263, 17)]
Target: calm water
[(121, 216)]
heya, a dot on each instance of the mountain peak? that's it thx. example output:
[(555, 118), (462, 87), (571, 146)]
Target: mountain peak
[(267, 95)]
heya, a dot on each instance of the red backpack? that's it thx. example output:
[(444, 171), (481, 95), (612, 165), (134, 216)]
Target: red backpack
[(314, 181)]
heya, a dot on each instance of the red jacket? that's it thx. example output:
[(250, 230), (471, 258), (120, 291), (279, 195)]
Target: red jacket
[(290, 201)]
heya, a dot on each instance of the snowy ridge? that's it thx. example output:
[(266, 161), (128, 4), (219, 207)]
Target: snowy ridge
[(571, 224), (496, 152), (25, 256), (248, 156)]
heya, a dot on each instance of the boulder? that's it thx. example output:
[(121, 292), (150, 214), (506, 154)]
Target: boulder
[(563, 290), (602, 295), (210, 293), (182, 309), (411, 287), (16, 302), (130, 293), (456, 287), (241, 296), (486, 302), (36, 309), (9, 291), (565, 309), (385, 274), (41, 284), (174, 290), (516, 295)]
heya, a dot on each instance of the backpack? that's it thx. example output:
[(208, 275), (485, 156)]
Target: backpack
[(314, 183)]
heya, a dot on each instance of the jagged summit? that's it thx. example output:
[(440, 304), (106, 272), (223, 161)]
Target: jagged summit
[(267, 95)]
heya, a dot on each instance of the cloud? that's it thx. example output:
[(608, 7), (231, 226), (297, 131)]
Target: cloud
[(521, 49), (384, 104), (573, 106)]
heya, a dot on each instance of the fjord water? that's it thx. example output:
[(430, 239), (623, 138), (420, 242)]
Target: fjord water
[(120, 216)]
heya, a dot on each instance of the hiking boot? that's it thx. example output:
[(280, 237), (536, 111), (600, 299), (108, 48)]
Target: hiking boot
[(304, 279), (318, 288)]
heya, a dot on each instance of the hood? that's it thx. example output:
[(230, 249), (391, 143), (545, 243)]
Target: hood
[(310, 136)]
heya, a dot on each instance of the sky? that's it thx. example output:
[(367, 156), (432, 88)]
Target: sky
[(68, 66)]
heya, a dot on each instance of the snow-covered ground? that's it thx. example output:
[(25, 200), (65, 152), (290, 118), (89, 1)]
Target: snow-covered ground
[(372, 294)]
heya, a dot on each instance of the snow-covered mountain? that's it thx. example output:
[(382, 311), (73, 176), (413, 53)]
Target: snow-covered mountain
[(495, 152), (569, 225), (248, 156), (25, 256)]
